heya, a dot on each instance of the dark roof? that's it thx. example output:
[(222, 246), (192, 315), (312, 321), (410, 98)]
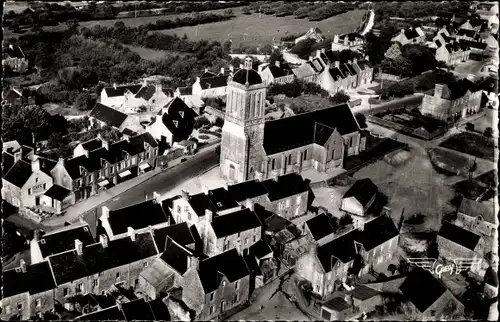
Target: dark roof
[(322, 133), (19, 173), (121, 90), (419, 283), (200, 202), (298, 130), (438, 43), (336, 73), (207, 74), (490, 85), (345, 70), (260, 249), (108, 115), (110, 313), (341, 248), (221, 199), (319, 226), (337, 304), (14, 52), (213, 82), (138, 216), (411, 33), (138, 141), (363, 190), (362, 292), (466, 32), (351, 68), (230, 264), (490, 277), (247, 189), (376, 232), (38, 278), (455, 46), (7, 162), (459, 235), (176, 257), (64, 240), (178, 232), (281, 71), (185, 123), (276, 223), (364, 64), (160, 310), (12, 95), (57, 192), (69, 266), (129, 132), (474, 208), (235, 222), (91, 145), (458, 89), (146, 92), (187, 90), (473, 44), (168, 91), (286, 186), (247, 75), (137, 310), (352, 36)]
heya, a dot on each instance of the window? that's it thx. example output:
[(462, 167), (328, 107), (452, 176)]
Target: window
[(42, 241), (222, 306), (118, 275), (289, 159), (96, 283), (287, 203), (7, 309), (176, 123), (237, 285), (38, 302), (211, 310), (239, 234), (254, 239), (111, 170), (212, 295), (226, 245), (189, 216), (299, 200), (305, 154), (146, 264), (39, 315), (19, 306), (29, 191), (272, 164), (235, 298), (181, 113), (65, 291), (148, 155), (178, 209), (36, 180), (79, 288), (123, 164), (90, 178), (219, 204), (246, 241), (134, 160)]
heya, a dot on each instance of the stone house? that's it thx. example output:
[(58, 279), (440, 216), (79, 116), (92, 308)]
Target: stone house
[(306, 72), (438, 302), (359, 198), (410, 36), (453, 53), (478, 47), (105, 115), (364, 69), (118, 223), (326, 265), (14, 57), (452, 102), (279, 73), (365, 298), (319, 228), (57, 199), (351, 41), (466, 34), (116, 96), (336, 309), (173, 123), (478, 217), (152, 96), (211, 85), (456, 242), (261, 263)]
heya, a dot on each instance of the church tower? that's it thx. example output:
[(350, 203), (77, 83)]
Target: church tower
[(242, 152)]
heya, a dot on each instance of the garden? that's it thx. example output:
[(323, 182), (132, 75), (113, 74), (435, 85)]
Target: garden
[(478, 145)]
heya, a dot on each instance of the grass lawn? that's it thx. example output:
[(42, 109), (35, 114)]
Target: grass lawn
[(250, 30), (473, 144), (305, 103), (152, 54)]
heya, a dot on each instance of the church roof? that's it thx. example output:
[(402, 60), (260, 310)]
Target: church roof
[(244, 75)]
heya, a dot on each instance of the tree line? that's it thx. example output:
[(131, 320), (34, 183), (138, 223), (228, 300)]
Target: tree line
[(301, 9), (198, 19)]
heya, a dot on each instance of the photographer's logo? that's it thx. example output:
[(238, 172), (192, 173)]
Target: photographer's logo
[(458, 265)]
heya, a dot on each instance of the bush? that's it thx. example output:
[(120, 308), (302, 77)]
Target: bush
[(219, 122), (201, 121), (361, 118), (345, 220), (203, 137), (469, 126), (339, 98)]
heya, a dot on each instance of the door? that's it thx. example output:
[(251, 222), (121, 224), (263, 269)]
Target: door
[(232, 172)]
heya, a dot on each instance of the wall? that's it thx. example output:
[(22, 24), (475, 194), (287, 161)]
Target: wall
[(12, 303), (352, 205), (297, 206), (61, 176), (478, 226), (251, 236), (11, 194), (47, 302), (116, 101), (436, 107), (227, 294)]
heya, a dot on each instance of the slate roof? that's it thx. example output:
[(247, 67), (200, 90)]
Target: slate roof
[(286, 186), (64, 240), (69, 266), (260, 249), (418, 283), (473, 44), (305, 70), (108, 115), (319, 226), (213, 82), (92, 144), (318, 65), (244, 75), (336, 74), (281, 71), (185, 123), (160, 310), (19, 173), (458, 89), (364, 64), (466, 32), (363, 190), (138, 216), (187, 90), (121, 90), (474, 208), (137, 310), (221, 199), (345, 70), (247, 189), (459, 235), (168, 91), (57, 192), (276, 223), (14, 52), (38, 278), (455, 46), (411, 33), (352, 70), (438, 43), (7, 162), (337, 304), (180, 233), (376, 232), (230, 264), (146, 92), (176, 257), (490, 277), (362, 292), (108, 314), (490, 85), (322, 133), (129, 132), (235, 222), (200, 202)]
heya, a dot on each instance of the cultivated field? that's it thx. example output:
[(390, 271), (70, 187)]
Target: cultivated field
[(250, 30)]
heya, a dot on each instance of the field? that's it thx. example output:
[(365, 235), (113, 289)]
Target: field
[(252, 31), (152, 54)]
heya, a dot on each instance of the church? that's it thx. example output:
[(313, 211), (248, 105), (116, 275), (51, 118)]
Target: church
[(252, 148)]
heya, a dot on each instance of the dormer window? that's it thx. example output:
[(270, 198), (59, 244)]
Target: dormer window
[(82, 170), (176, 123), (42, 241), (219, 204), (125, 154), (181, 113), (103, 162)]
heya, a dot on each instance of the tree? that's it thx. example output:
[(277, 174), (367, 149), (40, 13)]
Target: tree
[(276, 56), (488, 132), (469, 126), (403, 266), (110, 134), (472, 168), (219, 122), (392, 268), (72, 24), (345, 220), (339, 98), (227, 46), (361, 118), (84, 102), (228, 12), (303, 48), (55, 140)]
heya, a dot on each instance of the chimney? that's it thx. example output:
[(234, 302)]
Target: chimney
[(438, 90), (250, 204), (226, 186), (366, 57), (337, 64), (208, 215), (402, 31), (323, 50), (348, 299), (335, 39), (274, 176), (103, 239), (198, 79), (241, 66), (318, 52), (131, 233), (185, 195), (313, 248), (105, 212), (346, 40), (22, 264), (193, 262), (311, 58), (231, 68), (114, 85), (11, 46), (204, 188), (35, 165), (222, 70), (36, 234), (157, 197), (277, 63), (60, 161), (206, 70), (78, 247), (18, 156)]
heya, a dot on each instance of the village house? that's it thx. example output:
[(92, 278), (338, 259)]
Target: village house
[(105, 115), (279, 73), (488, 12), (116, 96), (111, 164), (117, 223), (56, 199), (438, 302), (15, 59), (351, 41), (478, 217), (314, 33), (466, 34), (192, 101), (136, 309), (457, 242), (467, 25), (477, 47), (328, 264), (319, 228), (261, 263), (307, 72), (452, 53), (337, 309), (151, 97), (210, 84), (410, 36), (174, 123), (359, 198), (181, 233), (453, 101), (364, 69), (443, 36)]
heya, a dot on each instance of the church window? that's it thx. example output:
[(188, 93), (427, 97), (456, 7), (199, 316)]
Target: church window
[(289, 159), (232, 172)]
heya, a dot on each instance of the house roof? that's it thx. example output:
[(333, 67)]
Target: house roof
[(473, 44), (19, 173), (92, 144), (13, 52), (176, 257), (230, 264), (57, 192), (319, 226), (455, 46), (7, 162), (285, 186), (458, 89), (459, 235), (418, 283), (305, 70), (110, 313), (298, 130), (180, 233), (168, 91), (235, 222), (64, 240), (363, 292), (438, 43), (466, 32), (376, 232), (318, 65), (186, 90), (345, 70), (490, 277), (160, 310), (474, 208), (108, 115), (146, 92), (138, 216), (281, 71), (70, 266), (337, 304), (490, 85), (247, 75), (363, 190), (172, 114), (411, 33), (213, 82), (351, 68), (276, 223), (38, 278), (364, 64), (121, 90), (260, 249), (137, 310), (322, 133), (336, 73), (221, 199), (200, 202), (247, 189)]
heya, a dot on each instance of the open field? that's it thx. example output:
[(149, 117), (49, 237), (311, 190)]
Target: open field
[(250, 30)]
